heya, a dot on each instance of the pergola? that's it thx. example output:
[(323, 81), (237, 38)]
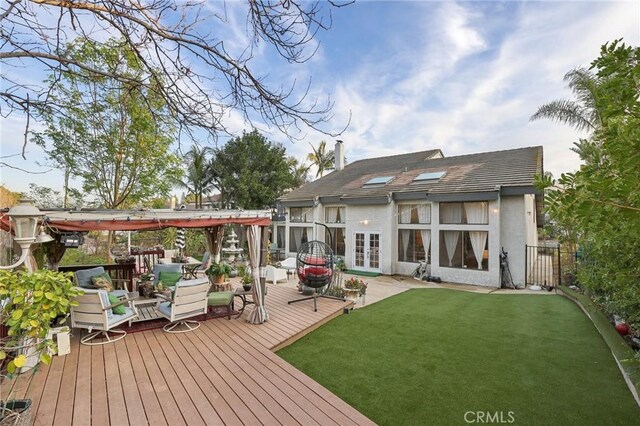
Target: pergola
[(212, 222)]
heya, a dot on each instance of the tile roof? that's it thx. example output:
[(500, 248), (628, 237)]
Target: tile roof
[(465, 173)]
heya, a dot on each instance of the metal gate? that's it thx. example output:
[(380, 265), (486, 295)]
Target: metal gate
[(550, 266), (542, 266)]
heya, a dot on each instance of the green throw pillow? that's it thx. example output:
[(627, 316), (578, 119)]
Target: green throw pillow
[(118, 310), (169, 278), (102, 281)]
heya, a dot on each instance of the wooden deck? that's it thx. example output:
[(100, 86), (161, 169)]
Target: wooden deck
[(223, 373)]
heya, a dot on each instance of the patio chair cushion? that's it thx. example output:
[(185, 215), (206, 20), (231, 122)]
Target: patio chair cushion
[(169, 278), (83, 276), (158, 267), (128, 313), (118, 310), (102, 281), (165, 308), (220, 298)]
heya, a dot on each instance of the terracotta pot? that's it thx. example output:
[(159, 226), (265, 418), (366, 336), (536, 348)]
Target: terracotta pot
[(219, 279)]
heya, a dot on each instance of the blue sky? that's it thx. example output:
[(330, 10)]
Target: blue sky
[(460, 76)]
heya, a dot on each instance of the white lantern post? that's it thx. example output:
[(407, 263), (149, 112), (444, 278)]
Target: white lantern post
[(24, 217)]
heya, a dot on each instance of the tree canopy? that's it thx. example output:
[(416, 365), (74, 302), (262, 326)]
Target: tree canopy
[(250, 172), (600, 203), (115, 136), (180, 48)]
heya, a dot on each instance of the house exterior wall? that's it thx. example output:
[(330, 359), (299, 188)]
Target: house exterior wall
[(510, 225), (518, 227)]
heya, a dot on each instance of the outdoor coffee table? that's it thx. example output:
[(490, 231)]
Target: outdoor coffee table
[(145, 307), (242, 294)]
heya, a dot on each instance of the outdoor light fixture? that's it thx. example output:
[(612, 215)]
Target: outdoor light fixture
[(24, 218), (72, 239), (43, 237)]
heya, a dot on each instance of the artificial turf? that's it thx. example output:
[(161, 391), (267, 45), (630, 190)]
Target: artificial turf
[(428, 356)]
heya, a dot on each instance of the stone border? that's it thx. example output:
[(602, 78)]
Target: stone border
[(622, 353)]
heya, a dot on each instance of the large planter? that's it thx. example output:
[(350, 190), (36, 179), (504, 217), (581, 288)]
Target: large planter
[(16, 412), (352, 293)]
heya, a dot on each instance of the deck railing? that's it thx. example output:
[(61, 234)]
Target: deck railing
[(119, 271)]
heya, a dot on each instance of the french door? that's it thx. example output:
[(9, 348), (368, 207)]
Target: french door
[(366, 250)]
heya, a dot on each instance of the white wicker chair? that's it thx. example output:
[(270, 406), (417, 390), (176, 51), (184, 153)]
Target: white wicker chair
[(189, 300), (273, 274), (94, 313)]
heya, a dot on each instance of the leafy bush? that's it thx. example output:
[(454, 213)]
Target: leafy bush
[(30, 303)]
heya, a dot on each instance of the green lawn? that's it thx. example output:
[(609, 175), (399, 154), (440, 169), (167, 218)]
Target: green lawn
[(429, 356)]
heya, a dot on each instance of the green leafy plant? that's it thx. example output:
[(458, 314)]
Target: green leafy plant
[(218, 270), (29, 304), (247, 278)]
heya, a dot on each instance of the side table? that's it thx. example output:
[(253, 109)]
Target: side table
[(242, 294)]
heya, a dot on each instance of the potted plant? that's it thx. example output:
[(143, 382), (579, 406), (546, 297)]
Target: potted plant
[(247, 281), (218, 271), (29, 303), (354, 288)]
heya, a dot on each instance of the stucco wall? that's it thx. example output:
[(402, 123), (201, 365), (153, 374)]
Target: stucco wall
[(514, 232)]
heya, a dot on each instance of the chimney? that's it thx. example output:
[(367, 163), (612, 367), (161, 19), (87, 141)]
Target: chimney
[(339, 155)]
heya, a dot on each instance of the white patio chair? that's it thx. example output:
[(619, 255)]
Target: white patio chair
[(276, 274), (94, 312), (189, 300)]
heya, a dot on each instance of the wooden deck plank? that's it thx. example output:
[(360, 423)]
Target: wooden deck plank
[(99, 400), (184, 388), (49, 399), (152, 409), (115, 395), (82, 398), (168, 404), (222, 373), (280, 378), (236, 395), (130, 389), (223, 409), (64, 408), (286, 396), (266, 404)]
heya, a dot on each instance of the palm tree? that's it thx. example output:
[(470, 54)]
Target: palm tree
[(582, 113), (199, 177), (299, 172), (321, 158)]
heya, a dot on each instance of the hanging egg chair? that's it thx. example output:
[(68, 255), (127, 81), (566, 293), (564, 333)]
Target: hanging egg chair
[(314, 266)]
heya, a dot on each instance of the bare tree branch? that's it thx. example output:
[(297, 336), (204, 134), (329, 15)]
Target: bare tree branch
[(190, 68)]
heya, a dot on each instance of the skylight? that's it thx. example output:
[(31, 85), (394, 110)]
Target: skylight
[(428, 176), (379, 180)]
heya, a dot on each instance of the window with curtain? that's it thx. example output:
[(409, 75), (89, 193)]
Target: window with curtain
[(279, 236), (337, 240), (414, 213), (300, 214), (473, 213), (413, 245), (335, 215), (464, 249), (298, 235)]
